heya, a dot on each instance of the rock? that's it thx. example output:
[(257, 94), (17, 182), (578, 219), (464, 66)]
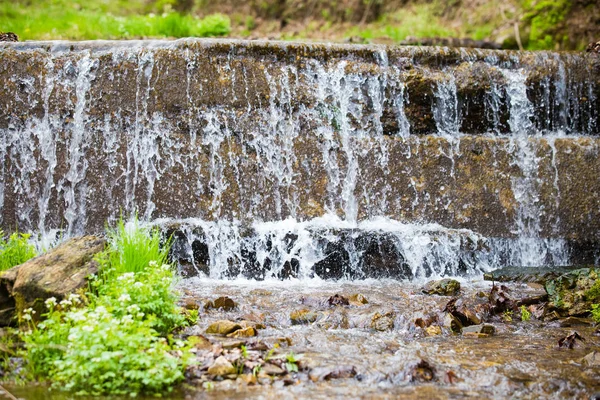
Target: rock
[(327, 373), (270, 369), (573, 293), (482, 328), (452, 323), (8, 37), (199, 342), (222, 303), (221, 367), (444, 287), (423, 371), (223, 327), (527, 274), (244, 332), (593, 47), (255, 325), (357, 300), (303, 317), (592, 359), (260, 292), (574, 321), (433, 330), (190, 304), (57, 274), (337, 300), (570, 340), (232, 344), (383, 322)]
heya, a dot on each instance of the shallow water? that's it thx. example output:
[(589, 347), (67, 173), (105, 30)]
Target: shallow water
[(521, 360)]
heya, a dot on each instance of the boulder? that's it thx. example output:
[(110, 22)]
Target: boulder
[(58, 273), (443, 287)]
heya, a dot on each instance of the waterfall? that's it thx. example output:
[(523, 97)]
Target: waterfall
[(305, 160)]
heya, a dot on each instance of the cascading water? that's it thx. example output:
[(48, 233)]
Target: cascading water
[(288, 160)]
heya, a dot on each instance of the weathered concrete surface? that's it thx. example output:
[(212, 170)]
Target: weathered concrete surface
[(253, 130)]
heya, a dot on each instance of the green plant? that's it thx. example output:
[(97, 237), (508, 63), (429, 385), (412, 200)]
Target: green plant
[(507, 316), (596, 312), (525, 314), (117, 341), (131, 249), (16, 250), (244, 351), (256, 370), (291, 363)]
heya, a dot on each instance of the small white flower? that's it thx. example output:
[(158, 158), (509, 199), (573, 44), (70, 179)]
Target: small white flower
[(27, 317), (153, 264), (50, 302), (165, 267), (87, 328), (124, 298), (138, 285), (133, 308), (126, 276), (66, 302), (75, 298)]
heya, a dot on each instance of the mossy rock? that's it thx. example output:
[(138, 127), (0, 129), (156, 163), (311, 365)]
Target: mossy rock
[(574, 293)]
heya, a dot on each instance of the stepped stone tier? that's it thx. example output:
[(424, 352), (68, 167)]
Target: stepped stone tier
[(502, 144)]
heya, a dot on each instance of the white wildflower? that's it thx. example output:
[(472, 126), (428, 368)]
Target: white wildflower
[(124, 298), (153, 264), (87, 328), (27, 317), (75, 298), (50, 302), (138, 285), (133, 308)]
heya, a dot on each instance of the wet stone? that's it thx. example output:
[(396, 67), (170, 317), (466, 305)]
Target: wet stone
[(482, 328), (222, 303), (357, 300), (452, 323), (592, 359), (444, 287), (337, 300), (433, 330), (303, 317), (270, 369), (244, 332), (221, 367), (383, 322), (223, 327)]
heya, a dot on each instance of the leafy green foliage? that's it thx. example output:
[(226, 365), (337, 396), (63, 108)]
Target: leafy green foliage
[(115, 340), (109, 19), (15, 251), (596, 313), (291, 362), (525, 314), (545, 17)]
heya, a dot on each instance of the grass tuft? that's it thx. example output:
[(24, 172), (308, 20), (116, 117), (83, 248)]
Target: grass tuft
[(15, 251)]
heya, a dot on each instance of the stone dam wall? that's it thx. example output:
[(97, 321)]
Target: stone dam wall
[(503, 144)]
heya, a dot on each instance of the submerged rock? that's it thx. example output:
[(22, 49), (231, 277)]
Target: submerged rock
[(303, 316), (444, 287), (357, 300), (58, 273), (592, 360), (383, 322), (222, 303), (482, 329), (223, 327)]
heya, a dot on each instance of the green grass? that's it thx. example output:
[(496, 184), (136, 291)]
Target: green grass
[(132, 248), (108, 19), (15, 251), (418, 21)]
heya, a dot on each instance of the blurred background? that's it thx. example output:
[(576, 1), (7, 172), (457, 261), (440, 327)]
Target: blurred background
[(512, 24)]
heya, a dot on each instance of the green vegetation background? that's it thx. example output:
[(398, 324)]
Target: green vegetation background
[(542, 24)]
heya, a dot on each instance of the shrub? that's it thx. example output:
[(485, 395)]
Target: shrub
[(114, 342), (15, 251)]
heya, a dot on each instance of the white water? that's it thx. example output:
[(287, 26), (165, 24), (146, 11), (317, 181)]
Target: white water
[(344, 111)]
